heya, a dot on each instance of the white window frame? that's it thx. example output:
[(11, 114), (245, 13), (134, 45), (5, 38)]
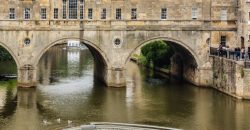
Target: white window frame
[(64, 9), (12, 13), (56, 13), (118, 13), (223, 15), (164, 13), (81, 9), (43, 13), (26, 13), (194, 13), (134, 13), (104, 13), (90, 13), (73, 9)]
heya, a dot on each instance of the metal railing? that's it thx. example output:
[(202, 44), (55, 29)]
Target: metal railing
[(232, 55)]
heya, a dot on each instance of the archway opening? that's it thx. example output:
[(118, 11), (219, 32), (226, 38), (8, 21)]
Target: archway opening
[(8, 82), (8, 66), (179, 63), (71, 61)]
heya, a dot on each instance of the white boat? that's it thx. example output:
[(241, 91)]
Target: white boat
[(118, 126)]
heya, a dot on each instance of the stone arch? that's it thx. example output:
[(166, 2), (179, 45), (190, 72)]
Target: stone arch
[(180, 43), (96, 51), (11, 53), (101, 61)]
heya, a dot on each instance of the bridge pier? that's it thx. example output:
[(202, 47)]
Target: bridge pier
[(27, 76), (115, 77)]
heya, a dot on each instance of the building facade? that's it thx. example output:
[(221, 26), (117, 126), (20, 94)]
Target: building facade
[(114, 29), (217, 13)]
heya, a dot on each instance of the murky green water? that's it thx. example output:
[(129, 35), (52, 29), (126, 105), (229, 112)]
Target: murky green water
[(67, 91)]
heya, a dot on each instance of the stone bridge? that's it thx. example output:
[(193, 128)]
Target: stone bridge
[(113, 42)]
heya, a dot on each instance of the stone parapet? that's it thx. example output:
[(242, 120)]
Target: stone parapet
[(152, 25)]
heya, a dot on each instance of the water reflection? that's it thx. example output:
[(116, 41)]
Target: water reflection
[(26, 114), (67, 91)]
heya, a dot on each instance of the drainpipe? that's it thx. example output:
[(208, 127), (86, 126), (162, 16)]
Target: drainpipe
[(210, 20)]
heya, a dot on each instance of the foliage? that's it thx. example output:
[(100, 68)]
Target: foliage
[(5, 55), (157, 53)]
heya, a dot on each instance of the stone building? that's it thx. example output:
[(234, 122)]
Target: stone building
[(114, 29), (218, 13)]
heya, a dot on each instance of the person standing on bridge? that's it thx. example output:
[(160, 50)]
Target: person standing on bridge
[(237, 52), (242, 53)]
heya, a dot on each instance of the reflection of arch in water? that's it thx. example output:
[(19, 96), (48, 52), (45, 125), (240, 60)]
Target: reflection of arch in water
[(10, 105)]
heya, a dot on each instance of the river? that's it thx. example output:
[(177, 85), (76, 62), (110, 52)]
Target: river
[(68, 91)]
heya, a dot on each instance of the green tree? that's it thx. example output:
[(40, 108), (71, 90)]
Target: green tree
[(157, 53), (5, 55)]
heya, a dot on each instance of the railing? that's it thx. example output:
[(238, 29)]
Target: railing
[(232, 55)]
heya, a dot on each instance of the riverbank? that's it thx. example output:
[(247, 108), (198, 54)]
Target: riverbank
[(5, 77), (158, 69), (223, 80)]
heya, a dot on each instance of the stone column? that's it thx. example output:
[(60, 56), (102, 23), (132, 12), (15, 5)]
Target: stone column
[(115, 77), (27, 76)]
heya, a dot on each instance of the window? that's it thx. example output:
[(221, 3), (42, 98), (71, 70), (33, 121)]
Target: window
[(104, 13), (12, 13), (72, 9), (117, 41), (164, 13), (223, 40), (223, 15), (81, 9), (90, 13), (194, 13), (27, 13), (134, 13), (118, 14), (64, 15), (43, 13), (55, 13)]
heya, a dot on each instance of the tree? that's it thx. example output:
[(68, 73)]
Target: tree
[(158, 53), (5, 55)]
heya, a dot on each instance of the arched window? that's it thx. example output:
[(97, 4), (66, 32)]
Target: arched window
[(72, 9)]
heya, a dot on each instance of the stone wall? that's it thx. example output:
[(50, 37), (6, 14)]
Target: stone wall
[(231, 77), (194, 35), (147, 9)]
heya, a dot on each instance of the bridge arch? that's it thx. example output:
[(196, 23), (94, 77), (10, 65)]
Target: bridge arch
[(101, 61), (11, 53), (174, 43), (96, 51)]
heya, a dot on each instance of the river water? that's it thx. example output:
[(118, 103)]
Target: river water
[(68, 91)]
